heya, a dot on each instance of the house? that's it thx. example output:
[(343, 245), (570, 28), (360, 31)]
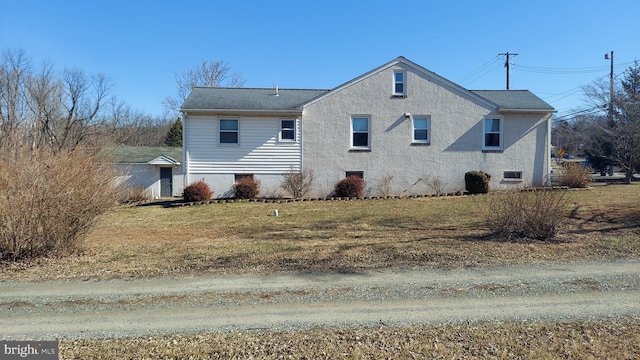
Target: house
[(153, 168), (400, 127)]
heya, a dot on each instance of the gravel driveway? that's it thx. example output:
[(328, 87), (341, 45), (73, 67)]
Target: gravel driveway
[(120, 308)]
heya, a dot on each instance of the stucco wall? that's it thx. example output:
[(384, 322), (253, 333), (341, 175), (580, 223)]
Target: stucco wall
[(456, 137)]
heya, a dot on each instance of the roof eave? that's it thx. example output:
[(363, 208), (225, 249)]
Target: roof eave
[(527, 111), (241, 112)]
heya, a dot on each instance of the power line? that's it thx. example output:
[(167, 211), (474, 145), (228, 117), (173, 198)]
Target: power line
[(481, 71), (565, 71)]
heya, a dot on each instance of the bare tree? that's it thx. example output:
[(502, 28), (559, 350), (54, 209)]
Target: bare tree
[(14, 69), (616, 137), (41, 107), (208, 74), (127, 126)]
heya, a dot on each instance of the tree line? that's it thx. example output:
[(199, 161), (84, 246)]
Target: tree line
[(609, 136), (43, 107)]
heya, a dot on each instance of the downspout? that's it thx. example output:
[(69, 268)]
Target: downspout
[(548, 150), (301, 146), (185, 151)]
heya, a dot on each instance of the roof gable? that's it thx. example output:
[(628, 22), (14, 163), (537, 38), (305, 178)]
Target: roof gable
[(292, 101), (163, 160), (404, 62)]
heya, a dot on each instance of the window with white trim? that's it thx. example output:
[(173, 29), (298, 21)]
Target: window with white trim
[(421, 129), (360, 132), (229, 131), (492, 134), (358, 174), (399, 83), (288, 130), (512, 175)]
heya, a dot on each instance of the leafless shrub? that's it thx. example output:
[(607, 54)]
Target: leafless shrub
[(383, 185), (297, 183), (575, 175), (435, 184), (134, 194), (50, 200), (536, 214)]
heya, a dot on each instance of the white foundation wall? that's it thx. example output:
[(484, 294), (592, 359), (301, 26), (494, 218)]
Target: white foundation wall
[(456, 138)]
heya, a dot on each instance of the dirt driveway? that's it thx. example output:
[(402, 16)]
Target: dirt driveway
[(121, 308)]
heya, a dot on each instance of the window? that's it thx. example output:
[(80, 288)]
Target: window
[(238, 177), (492, 134), (512, 175), (399, 83), (358, 174), (287, 130), (421, 129), (228, 131), (360, 132)]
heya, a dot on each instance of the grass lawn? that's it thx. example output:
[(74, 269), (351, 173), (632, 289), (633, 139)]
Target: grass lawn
[(346, 236), (351, 236)]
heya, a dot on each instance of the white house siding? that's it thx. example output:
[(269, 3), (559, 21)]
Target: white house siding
[(259, 152), (456, 137), (147, 176)]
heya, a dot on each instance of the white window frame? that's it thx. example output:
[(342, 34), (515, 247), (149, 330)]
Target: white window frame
[(500, 133), (516, 178), (220, 131), (413, 129), (396, 82), (353, 132), (294, 129)]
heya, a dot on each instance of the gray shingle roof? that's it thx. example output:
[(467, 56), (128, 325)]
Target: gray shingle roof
[(515, 100), (141, 154), (257, 99)]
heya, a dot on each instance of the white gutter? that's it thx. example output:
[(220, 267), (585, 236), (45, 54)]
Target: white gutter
[(241, 112), (526, 111)]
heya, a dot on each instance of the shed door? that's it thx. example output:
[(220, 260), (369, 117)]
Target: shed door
[(166, 181)]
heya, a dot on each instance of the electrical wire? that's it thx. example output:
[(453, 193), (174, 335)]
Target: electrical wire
[(483, 70), (566, 71)]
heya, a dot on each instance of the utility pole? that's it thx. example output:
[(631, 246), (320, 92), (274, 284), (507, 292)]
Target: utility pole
[(506, 64), (607, 57)]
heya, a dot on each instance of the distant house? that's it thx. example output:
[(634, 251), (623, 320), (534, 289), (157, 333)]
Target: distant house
[(156, 169), (396, 126)]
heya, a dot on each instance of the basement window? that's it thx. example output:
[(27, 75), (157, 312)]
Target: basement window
[(512, 176), (359, 174), (238, 177)]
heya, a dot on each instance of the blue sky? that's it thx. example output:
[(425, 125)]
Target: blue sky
[(140, 45)]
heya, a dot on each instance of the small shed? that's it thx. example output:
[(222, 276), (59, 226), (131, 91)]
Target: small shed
[(157, 169)]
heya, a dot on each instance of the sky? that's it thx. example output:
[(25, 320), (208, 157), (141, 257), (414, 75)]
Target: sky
[(140, 44)]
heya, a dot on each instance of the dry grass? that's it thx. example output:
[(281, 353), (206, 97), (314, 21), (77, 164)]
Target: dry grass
[(348, 236), (619, 339), (441, 232)]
